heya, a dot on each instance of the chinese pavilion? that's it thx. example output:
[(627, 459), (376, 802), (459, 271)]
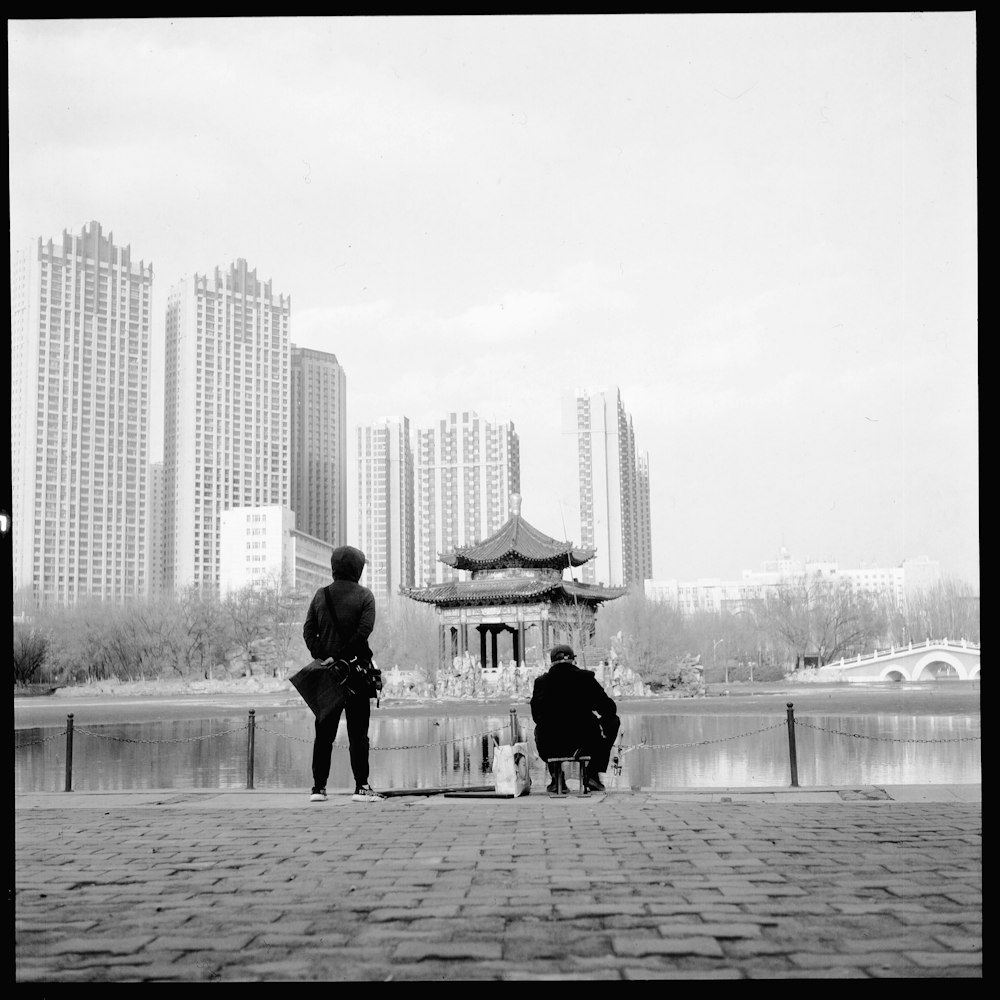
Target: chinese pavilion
[(516, 596)]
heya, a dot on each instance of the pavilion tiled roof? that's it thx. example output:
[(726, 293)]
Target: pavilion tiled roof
[(517, 543), (504, 590)]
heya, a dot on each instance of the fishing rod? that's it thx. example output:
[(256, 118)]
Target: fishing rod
[(576, 605)]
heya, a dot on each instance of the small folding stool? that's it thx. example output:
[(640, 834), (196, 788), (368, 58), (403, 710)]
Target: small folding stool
[(581, 773)]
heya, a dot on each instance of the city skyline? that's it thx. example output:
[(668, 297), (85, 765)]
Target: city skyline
[(761, 227)]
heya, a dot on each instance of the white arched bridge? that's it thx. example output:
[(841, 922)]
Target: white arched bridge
[(934, 659)]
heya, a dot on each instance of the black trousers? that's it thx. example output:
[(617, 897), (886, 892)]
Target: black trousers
[(593, 742), (358, 711)]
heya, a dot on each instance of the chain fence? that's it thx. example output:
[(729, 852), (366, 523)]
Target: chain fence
[(619, 750)]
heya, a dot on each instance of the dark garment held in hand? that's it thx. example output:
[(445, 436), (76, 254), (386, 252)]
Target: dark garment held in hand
[(563, 706)]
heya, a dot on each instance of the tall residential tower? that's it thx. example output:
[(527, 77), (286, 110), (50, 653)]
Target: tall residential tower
[(319, 445), (226, 413), (385, 505), (466, 470), (80, 310), (608, 499)]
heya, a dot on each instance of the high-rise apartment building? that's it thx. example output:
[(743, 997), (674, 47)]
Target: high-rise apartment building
[(156, 573), (466, 470), (80, 310), (319, 445), (385, 505), (644, 526), (226, 413), (607, 503)]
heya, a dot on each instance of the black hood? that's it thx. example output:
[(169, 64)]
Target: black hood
[(347, 563)]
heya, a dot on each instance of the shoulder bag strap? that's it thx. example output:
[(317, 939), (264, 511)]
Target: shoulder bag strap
[(331, 610)]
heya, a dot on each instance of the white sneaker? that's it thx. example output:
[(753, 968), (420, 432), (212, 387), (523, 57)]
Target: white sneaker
[(367, 794), (319, 796)]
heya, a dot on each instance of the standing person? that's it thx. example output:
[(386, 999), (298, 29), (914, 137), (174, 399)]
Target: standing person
[(573, 717), (343, 635)]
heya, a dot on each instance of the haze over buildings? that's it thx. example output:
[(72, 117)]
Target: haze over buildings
[(476, 214)]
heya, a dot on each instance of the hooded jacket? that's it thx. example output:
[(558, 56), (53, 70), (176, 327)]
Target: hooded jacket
[(569, 706), (354, 606)]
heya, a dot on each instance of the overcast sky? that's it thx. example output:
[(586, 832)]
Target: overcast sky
[(761, 227)]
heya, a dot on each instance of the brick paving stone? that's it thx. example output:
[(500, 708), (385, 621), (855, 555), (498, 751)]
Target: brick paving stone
[(734, 930), (807, 960), (755, 947), (657, 946), (418, 950), (601, 974), (943, 960), (845, 972), (414, 912), (896, 943), (573, 911), (923, 917), (701, 974), (953, 942), (785, 909), (114, 946)]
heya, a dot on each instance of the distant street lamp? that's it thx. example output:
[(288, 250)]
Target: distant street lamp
[(714, 662)]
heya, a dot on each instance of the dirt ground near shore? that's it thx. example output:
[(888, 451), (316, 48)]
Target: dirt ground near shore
[(146, 704)]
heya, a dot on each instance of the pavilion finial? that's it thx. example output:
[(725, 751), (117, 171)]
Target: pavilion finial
[(515, 504)]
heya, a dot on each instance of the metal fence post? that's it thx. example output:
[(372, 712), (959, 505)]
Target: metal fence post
[(69, 752), (250, 742), (792, 760)]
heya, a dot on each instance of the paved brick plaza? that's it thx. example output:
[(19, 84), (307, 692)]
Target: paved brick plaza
[(244, 886)]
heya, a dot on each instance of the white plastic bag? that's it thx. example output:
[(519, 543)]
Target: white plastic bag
[(510, 769)]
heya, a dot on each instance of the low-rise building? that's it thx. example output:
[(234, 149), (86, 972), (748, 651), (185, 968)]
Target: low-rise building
[(260, 547), (715, 595)]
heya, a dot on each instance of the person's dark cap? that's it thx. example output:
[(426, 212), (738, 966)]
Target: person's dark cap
[(562, 654)]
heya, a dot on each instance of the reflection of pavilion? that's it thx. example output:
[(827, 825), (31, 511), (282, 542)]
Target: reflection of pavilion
[(516, 597)]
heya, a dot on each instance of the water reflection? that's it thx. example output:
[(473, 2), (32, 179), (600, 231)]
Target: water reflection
[(683, 751)]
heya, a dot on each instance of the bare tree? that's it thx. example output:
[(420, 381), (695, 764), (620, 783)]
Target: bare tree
[(30, 647), (949, 610), (245, 614), (406, 635), (652, 638), (200, 623), (813, 616)]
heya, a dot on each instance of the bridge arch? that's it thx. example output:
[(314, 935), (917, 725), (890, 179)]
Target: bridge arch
[(892, 674), (941, 656)]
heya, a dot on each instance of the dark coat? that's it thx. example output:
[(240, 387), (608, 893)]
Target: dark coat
[(563, 706), (354, 606)]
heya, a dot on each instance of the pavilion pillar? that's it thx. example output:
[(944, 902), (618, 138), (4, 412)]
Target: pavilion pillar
[(482, 644), (493, 650)]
